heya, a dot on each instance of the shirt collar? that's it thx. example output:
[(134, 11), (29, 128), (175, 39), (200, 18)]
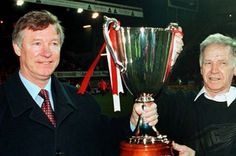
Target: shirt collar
[(33, 89), (228, 97)]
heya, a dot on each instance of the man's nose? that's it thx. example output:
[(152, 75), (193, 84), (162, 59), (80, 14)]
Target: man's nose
[(46, 51), (214, 68)]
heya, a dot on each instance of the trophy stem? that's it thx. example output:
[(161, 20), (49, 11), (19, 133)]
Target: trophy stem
[(146, 140), (142, 128), (144, 133)]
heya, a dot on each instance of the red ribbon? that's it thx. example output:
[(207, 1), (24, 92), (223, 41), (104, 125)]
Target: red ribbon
[(88, 75), (114, 82)]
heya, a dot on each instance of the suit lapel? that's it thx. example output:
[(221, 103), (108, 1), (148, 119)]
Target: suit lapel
[(62, 102), (20, 101), (38, 116)]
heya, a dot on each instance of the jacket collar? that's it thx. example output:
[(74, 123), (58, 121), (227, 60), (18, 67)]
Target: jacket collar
[(20, 100)]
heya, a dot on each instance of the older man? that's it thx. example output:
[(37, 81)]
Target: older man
[(206, 121)]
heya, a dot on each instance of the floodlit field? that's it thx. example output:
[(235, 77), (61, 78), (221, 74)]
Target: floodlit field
[(106, 104)]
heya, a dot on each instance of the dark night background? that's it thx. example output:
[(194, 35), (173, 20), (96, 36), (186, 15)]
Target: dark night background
[(199, 18)]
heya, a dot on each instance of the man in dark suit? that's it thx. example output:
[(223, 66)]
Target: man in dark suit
[(68, 124)]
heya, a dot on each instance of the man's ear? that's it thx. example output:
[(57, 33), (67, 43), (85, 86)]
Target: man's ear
[(17, 49), (201, 70)]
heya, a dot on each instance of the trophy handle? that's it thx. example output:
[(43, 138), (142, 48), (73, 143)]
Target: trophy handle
[(120, 52), (174, 52), (175, 29)]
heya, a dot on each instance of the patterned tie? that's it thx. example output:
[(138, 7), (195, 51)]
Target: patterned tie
[(46, 106)]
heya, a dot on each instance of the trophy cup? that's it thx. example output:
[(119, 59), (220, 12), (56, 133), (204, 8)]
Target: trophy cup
[(144, 56)]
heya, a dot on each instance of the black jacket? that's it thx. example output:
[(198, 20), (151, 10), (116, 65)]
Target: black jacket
[(81, 129)]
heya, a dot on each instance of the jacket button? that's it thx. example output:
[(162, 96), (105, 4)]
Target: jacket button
[(59, 153)]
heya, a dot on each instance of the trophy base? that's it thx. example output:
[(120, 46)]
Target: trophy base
[(156, 149)]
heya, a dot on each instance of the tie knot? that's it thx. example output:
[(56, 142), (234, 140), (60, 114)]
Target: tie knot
[(44, 94)]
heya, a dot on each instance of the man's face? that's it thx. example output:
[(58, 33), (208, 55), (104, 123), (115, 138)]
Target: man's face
[(217, 69), (39, 54)]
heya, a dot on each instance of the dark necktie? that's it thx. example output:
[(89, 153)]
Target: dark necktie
[(46, 106)]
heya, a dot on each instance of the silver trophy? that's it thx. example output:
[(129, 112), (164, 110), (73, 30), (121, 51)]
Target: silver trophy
[(145, 56)]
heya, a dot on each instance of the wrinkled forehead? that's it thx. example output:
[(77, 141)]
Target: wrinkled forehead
[(217, 51)]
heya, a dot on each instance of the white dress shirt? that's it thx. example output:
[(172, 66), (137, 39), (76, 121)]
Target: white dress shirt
[(34, 91)]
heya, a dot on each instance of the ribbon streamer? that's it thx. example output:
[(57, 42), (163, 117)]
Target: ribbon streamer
[(115, 78)]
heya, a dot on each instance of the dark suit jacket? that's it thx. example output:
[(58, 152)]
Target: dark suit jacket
[(81, 129)]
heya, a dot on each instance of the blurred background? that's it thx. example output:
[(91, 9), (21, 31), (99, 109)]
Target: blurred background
[(84, 38)]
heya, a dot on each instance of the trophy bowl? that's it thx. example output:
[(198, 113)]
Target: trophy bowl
[(144, 56)]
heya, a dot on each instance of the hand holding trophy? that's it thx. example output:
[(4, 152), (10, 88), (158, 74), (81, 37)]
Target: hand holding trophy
[(145, 56)]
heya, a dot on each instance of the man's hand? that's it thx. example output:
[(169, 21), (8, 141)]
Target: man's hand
[(179, 40), (149, 113), (178, 45), (183, 150)]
